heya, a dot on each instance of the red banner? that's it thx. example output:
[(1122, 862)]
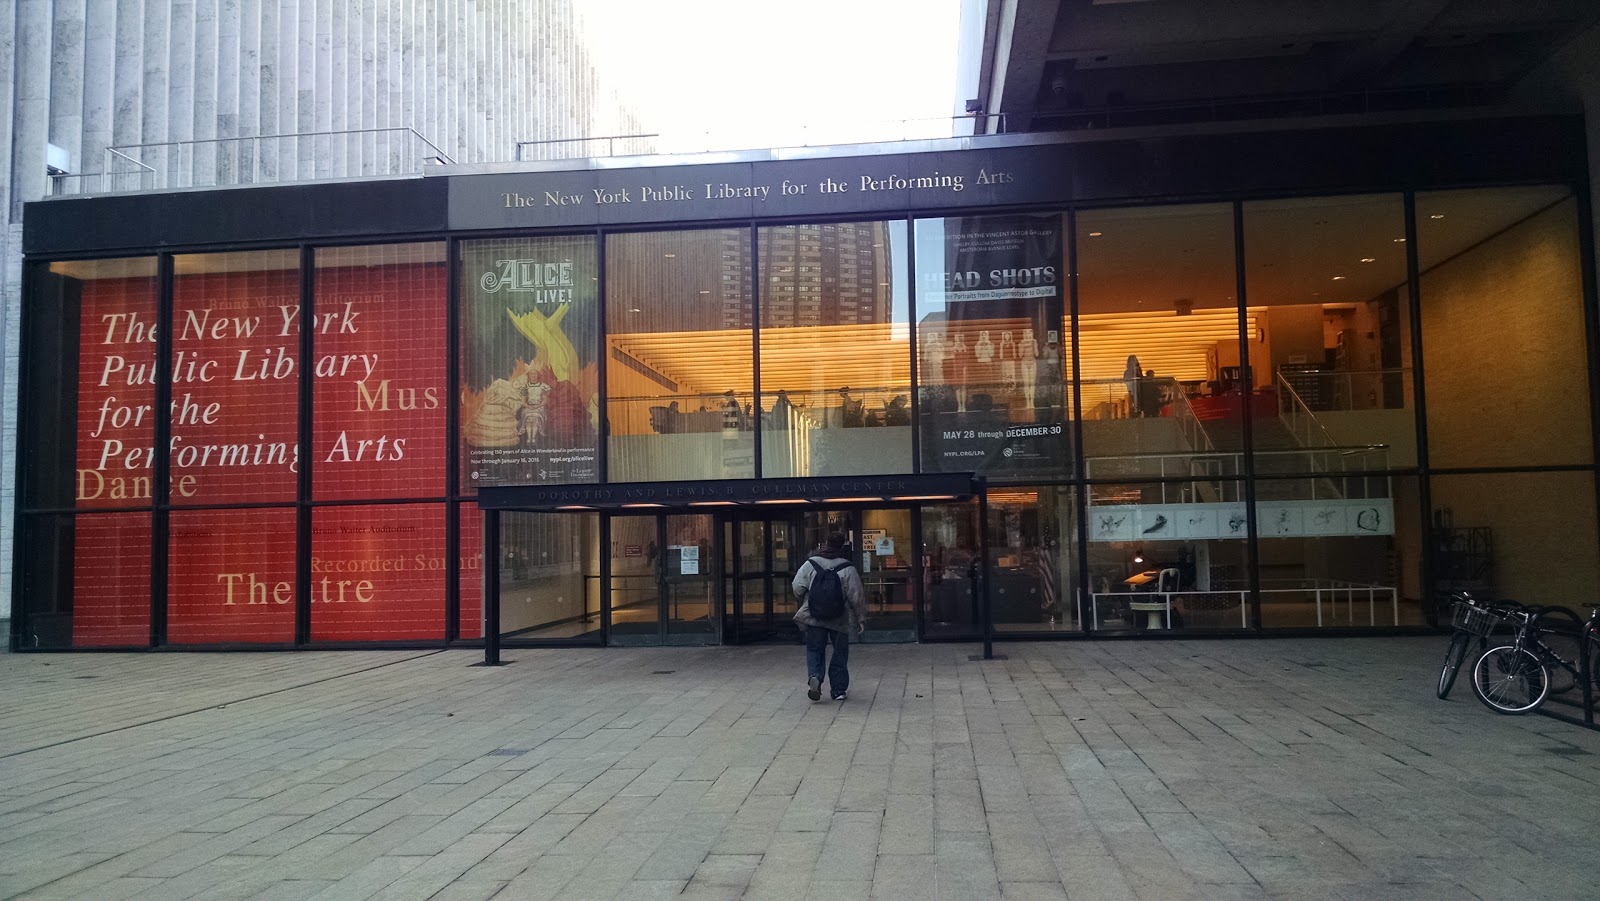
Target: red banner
[(380, 367), (230, 577), (378, 573), (235, 388), (111, 580), (116, 392), (471, 572)]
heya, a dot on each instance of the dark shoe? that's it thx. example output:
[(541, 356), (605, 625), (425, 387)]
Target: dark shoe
[(839, 696), (814, 688)]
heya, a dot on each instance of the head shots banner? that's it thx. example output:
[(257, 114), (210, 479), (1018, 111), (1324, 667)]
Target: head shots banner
[(990, 345), (530, 339)]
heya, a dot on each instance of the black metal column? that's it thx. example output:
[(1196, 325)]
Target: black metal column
[(452, 431), (307, 388), (491, 588), (986, 612), (1247, 388), (1424, 486), (161, 476)]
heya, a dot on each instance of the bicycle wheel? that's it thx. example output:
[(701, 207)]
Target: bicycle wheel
[(1453, 657), (1510, 680)]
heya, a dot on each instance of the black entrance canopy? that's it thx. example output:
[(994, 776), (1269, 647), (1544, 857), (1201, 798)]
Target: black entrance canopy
[(874, 490)]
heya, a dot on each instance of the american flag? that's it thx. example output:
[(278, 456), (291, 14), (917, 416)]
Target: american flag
[(1044, 566)]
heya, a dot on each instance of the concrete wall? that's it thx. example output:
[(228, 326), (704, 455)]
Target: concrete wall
[(474, 78)]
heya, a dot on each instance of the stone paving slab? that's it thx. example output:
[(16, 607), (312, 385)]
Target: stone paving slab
[(1274, 768)]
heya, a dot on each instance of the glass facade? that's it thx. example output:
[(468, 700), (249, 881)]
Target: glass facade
[(680, 376), (839, 289), (1249, 415)]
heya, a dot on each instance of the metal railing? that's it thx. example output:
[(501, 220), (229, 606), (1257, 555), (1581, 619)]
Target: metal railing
[(1114, 600), (834, 133), (1328, 473), (533, 150), (1333, 593), (1306, 429), (259, 159)]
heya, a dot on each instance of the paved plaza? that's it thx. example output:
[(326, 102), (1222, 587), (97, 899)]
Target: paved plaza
[(1151, 770)]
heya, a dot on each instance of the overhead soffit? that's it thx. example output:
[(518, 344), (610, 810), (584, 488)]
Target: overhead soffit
[(1193, 53)]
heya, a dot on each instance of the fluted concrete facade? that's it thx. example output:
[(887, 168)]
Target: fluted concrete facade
[(474, 77)]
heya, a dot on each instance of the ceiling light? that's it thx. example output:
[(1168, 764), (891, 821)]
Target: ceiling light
[(1437, 216), (1363, 259), (1399, 241), (635, 310), (1338, 278), (669, 255), (1095, 234)]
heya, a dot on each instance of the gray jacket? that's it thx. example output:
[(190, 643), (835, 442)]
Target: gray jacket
[(855, 596)]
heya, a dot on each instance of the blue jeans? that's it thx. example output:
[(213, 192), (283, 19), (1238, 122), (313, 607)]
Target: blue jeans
[(817, 641)]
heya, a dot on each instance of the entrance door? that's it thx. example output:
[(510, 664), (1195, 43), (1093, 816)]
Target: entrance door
[(764, 553), (689, 580), (756, 578), (664, 581)]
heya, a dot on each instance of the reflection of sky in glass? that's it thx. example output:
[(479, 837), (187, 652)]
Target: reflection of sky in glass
[(930, 262)]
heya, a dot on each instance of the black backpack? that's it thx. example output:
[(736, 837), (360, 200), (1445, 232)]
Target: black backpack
[(826, 594)]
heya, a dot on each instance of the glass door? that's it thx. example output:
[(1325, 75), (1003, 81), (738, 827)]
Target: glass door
[(745, 566), (885, 560), (689, 579), (951, 568), (664, 576), (635, 589)]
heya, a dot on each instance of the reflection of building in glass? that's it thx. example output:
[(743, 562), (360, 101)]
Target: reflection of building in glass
[(826, 274)]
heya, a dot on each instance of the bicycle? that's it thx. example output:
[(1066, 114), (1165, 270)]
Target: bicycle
[(1517, 678), (1471, 620)]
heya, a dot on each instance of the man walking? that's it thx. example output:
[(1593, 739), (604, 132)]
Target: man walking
[(833, 607)]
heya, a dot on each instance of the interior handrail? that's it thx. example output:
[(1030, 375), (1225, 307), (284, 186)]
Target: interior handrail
[(1298, 409)]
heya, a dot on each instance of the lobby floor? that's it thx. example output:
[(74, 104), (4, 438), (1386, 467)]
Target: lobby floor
[(1268, 768)]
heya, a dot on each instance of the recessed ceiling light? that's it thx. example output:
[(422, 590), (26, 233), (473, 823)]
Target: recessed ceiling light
[(1338, 278), (1399, 241), (1369, 259), (669, 255), (1095, 234), (635, 310), (1437, 216), (705, 292)]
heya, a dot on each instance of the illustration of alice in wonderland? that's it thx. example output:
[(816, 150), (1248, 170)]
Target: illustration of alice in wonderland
[(548, 401)]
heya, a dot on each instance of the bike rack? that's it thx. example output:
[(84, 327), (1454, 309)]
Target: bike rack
[(1584, 712)]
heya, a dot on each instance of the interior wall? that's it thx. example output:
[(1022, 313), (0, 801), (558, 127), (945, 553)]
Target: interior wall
[(1542, 526), (1506, 365), (1294, 335)]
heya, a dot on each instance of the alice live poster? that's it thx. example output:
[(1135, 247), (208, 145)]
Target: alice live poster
[(991, 344), (530, 335)]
